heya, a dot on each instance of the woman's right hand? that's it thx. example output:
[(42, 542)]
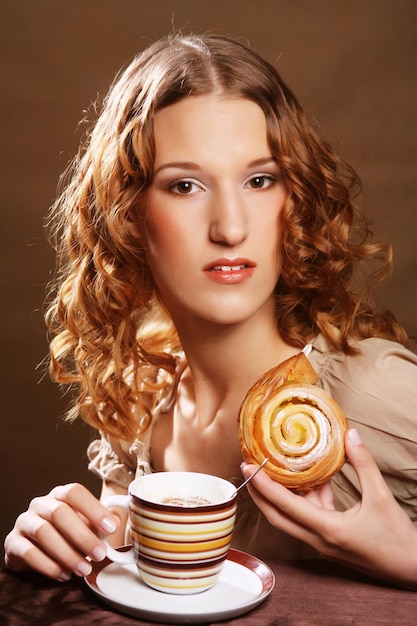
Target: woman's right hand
[(58, 531)]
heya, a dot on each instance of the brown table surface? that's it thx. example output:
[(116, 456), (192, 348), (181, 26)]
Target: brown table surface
[(307, 593)]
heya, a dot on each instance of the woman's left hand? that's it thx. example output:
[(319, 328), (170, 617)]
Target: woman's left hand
[(375, 536)]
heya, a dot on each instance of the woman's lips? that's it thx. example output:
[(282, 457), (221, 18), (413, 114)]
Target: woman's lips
[(229, 271)]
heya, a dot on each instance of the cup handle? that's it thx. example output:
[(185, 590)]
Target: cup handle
[(115, 555)]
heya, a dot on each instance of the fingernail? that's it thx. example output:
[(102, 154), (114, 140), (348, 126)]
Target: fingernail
[(355, 437), (243, 467), (108, 525), (98, 554), (84, 568), (65, 577)]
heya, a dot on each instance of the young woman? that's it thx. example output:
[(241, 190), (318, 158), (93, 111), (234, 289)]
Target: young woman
[(207, 233)]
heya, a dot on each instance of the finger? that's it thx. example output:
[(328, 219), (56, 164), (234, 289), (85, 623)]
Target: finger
[(60, 531), (65, 547), (82, 500), (370, 478), (21, 555), (321, 496), (274, 501), (308, 518)]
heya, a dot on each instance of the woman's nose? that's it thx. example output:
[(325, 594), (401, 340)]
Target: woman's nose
[(228, 218)]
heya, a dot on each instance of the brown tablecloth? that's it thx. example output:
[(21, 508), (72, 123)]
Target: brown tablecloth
[(307, 593)]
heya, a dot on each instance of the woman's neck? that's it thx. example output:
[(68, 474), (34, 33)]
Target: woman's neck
[(225, 361)]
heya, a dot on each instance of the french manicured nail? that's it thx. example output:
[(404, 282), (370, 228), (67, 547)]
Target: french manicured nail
[(355, 437), (84, 568), (108, 525), (98, 554), (65, 576)]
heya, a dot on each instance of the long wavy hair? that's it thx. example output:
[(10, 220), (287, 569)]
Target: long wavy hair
[(111, 338)]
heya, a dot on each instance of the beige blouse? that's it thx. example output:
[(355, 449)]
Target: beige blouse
[(377, 390)]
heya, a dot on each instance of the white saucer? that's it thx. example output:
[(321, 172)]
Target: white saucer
[(244, 582)]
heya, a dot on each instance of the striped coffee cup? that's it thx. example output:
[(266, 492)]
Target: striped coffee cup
[(181, 526)]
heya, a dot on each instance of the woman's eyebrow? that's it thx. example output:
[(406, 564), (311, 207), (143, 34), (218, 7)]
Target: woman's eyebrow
[(190, 165), (263, 161), (182, 165)]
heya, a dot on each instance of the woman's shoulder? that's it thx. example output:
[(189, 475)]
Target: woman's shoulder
[(375, 384), (373, 354)]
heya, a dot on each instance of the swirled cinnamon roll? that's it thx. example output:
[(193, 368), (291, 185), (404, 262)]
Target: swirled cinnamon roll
[(294, 423)]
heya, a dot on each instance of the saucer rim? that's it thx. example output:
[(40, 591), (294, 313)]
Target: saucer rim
[(243, 559)]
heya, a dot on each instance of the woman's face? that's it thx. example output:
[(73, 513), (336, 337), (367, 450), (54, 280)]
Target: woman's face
[(213, 211)]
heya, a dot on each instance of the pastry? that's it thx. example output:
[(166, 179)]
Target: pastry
[(294, 423)]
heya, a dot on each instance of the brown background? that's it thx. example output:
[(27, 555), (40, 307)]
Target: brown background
[(352, 63)]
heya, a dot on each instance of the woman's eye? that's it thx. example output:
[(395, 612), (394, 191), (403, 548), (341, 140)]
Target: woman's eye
[(261, 181), (184, 187)]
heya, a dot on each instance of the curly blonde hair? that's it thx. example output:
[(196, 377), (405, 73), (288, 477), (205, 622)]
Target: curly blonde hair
[(111, 337)]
